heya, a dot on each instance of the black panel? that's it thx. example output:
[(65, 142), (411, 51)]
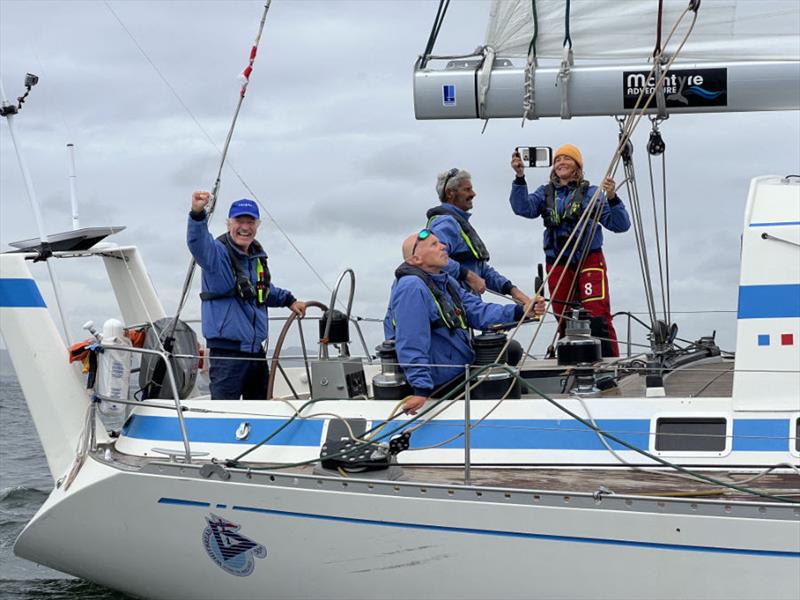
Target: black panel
[(692, 434), (797, 435), (337, 429)]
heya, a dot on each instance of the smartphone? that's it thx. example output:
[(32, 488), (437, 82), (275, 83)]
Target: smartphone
[(536, 156)]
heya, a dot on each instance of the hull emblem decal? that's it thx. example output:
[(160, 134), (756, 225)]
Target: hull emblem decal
[(230, 550)]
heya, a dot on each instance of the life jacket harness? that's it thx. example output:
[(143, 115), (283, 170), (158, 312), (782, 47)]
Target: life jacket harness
[(451, 310), (477, 249), (573, 209), (244, 288)]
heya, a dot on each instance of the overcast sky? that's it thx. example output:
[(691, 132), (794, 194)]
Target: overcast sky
[(328, 141)]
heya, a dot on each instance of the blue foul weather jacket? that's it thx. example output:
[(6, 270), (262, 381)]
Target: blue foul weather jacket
[(613, 215), (421, 339), (230, 323), (448, 231)]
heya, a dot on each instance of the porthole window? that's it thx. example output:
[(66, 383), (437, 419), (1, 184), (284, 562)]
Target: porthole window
[(690, 434)]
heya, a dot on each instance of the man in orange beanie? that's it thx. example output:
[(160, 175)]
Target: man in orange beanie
[(572, 245)]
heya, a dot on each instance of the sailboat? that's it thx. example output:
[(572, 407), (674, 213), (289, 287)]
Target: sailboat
[(561, 484)]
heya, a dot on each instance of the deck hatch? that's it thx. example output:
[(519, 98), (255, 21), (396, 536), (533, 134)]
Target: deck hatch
[(691, 434)]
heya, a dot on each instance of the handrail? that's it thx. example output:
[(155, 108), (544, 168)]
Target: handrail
[(323, 347), (178, 407)]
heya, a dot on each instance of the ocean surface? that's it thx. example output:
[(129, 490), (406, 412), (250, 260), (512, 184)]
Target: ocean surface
[(24, 485)]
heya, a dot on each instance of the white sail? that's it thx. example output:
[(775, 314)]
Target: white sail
[(726, 30)]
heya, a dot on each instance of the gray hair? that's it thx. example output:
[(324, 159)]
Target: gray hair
[(450, 180)]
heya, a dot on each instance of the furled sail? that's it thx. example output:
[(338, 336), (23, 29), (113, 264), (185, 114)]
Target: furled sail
[(545, 58)]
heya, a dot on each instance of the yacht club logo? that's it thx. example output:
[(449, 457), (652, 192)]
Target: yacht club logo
[(229, 549)]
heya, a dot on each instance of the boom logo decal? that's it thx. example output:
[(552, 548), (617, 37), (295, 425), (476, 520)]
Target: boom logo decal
[(230, 550), (682, 87)]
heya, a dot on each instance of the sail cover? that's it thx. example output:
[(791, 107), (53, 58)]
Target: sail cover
[(726, 30)]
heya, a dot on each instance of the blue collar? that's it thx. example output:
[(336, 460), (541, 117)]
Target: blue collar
[(456, 210)]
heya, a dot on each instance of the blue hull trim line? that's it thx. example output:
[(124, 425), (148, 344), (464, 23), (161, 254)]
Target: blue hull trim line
[(761, 435), (223, 431), (498, 533), (20, 293), (776, 224), (179, 502), (769, 301)]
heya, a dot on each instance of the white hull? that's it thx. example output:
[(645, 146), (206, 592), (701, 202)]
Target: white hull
[(142, 533)]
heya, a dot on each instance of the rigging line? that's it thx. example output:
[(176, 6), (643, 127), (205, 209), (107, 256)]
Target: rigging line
[(666, 233), (657, 49), (532, 45), (159, 73), (567, 38), (225, 147), (657, 235), (641, 247), (767, 236), (217, 148), (437, 20)]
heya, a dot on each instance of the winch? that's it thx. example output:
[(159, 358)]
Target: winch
[(390, 383), (579, 349), (578, 346), (495, 382)]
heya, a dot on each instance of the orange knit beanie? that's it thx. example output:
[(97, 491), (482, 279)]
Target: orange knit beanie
[(572, 152)]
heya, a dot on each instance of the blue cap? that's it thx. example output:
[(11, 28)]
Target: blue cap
[(243, 207)]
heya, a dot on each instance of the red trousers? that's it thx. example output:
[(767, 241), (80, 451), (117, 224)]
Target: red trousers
[(590, 288)]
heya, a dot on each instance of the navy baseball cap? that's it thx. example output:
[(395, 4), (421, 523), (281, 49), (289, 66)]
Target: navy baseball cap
[(243, 207)]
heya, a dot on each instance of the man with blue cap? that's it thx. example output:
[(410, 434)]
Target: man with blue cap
[(236, 291)]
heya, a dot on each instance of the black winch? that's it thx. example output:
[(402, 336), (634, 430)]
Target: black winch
[(496, 381), (578, 346)]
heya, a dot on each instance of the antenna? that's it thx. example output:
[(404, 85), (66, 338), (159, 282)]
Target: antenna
[(73, 193)]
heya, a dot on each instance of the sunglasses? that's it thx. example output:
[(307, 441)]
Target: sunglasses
[(423, 234), (450, 174)]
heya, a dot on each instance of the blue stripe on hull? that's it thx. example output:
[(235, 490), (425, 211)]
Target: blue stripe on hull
[(539, 434), (769, 301), (223, 431), (753, 435), (496, 532), (761, 435), (20, 293)]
